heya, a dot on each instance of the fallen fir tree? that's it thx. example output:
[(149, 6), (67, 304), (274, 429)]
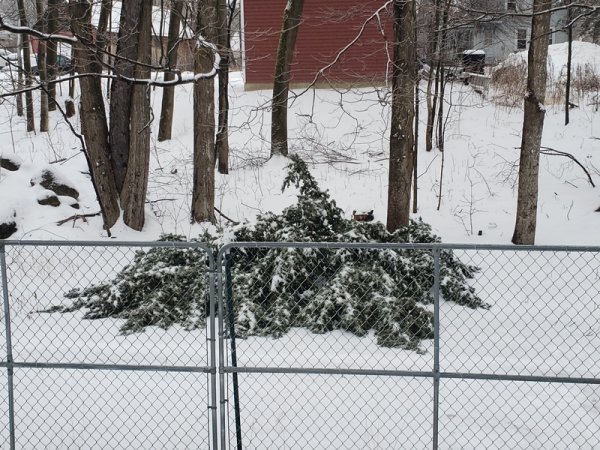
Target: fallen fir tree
[(274, 289)]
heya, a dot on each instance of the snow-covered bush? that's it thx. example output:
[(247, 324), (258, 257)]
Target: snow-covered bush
[(275, 289), (161, 287), (350, 289)]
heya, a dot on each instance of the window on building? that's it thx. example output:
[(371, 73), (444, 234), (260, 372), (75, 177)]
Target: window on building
[(521, 39), (550, 37), (511, 5)]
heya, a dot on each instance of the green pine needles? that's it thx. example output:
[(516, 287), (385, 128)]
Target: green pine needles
[(161, 287), (386, 291)]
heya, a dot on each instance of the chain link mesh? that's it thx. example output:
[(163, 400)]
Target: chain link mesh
[(91, 383), (518, 369), (354, 346)]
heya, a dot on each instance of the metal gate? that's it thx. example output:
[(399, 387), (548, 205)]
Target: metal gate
[(520, 371), (73, 383)]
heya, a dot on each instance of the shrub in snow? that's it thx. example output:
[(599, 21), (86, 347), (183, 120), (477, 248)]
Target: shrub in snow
[(357, 290), (275, 289), (160, 287)]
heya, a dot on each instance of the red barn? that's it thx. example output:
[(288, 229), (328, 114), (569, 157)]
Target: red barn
[(361, 27)]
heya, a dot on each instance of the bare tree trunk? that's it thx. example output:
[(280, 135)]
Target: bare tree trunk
[(133, 194), (93, 116), (39, 5), (569, 60), (403, 111), (101, 36), (51, 53), (222, 144), (27, 67), (440, 109), (166, 115), (442, 76), (285, 54), (431, 107), (203, 195), (533, 125), (121, 91), (19, 75), (433, 62), (70, 103), (416, 142)]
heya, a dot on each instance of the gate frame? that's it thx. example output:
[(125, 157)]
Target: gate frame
[(435, 374), (210, 369)]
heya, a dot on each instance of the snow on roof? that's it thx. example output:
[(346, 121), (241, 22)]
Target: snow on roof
[(160, 20), (473, 52)]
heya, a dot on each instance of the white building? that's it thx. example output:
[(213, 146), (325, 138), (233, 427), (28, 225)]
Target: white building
[(502, 31)]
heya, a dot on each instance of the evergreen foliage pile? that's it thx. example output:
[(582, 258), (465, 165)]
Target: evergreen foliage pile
[(274, 289), (161, 287)]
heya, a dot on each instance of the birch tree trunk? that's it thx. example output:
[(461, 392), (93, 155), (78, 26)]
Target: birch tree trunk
[(403, 111), (533, 125), (285, 54)]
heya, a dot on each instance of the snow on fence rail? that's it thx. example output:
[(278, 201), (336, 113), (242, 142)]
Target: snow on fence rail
[(284, 345)]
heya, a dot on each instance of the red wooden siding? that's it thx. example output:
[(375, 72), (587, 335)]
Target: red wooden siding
[(327, 27)]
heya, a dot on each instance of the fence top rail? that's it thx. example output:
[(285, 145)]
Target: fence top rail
[(173, 244), (116, 244), (410, 246), (317, 245)]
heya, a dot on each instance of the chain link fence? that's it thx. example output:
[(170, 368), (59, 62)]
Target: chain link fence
[(379, 346), (165, 345), (72, 382)]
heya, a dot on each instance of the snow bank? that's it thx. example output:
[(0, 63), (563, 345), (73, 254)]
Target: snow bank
[(585, 56)]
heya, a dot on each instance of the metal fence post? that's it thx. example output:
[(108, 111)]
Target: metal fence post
[(213, 350), (231, 321), (9, 356), (221, 333), (436, 345)]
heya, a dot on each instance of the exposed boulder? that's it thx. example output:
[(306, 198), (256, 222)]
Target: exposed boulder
[(7, 224), (11, 163), (51, 200), (50, 181), (7, 229)]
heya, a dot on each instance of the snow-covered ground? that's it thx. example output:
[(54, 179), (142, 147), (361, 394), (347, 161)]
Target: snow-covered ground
[(345, 134), (544, 316)]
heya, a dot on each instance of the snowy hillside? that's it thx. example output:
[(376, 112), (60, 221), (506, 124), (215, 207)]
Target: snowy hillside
[(541, 316), (348, 149)]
